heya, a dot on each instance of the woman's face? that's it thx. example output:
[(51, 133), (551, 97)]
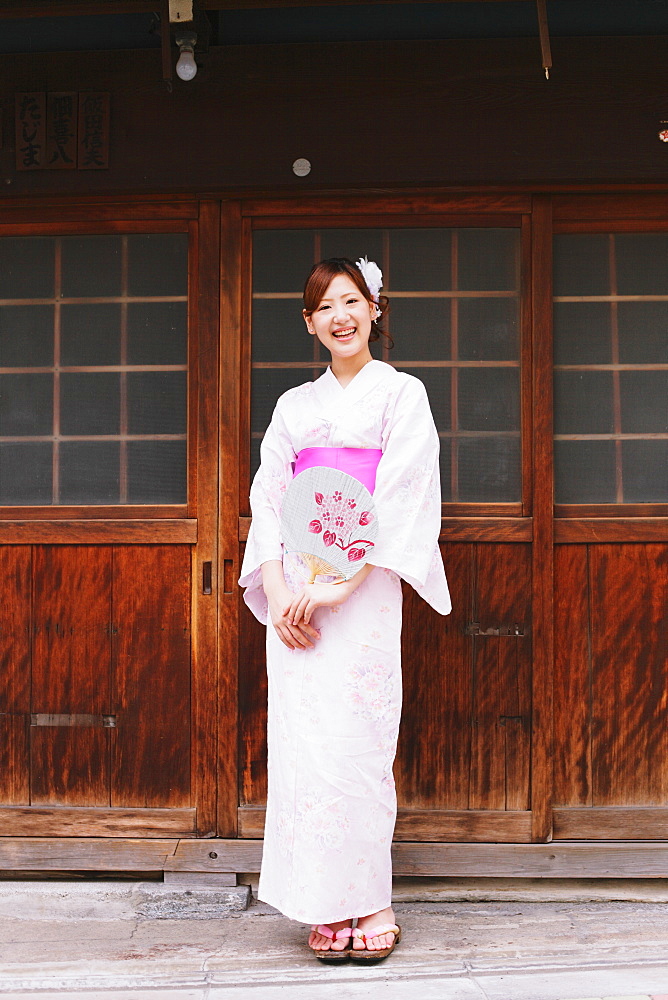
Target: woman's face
[(342, 320)]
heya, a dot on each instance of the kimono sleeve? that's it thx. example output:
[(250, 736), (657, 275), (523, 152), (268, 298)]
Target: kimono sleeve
[(408, 496), (266, 498)]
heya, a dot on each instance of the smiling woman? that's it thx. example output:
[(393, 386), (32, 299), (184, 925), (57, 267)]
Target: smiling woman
[(334, 653)]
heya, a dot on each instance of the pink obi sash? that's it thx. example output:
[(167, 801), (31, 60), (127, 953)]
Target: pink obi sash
[(360, 463)]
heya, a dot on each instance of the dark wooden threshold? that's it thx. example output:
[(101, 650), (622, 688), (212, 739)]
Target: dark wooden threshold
[(72, 821), (440, 825), (611, 823), (565, 859), (109, 532)]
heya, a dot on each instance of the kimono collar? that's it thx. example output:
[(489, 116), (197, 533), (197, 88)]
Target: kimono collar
[(330, 390)]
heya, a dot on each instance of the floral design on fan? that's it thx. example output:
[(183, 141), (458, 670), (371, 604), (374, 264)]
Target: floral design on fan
[(342, 521)]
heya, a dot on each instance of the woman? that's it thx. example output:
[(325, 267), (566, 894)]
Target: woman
[(333, 650)]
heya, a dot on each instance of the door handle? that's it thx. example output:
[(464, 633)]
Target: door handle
[(473, 628), (207, 586)]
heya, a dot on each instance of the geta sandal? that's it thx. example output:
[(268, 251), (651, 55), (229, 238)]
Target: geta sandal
[(363, 954), (330, 955)]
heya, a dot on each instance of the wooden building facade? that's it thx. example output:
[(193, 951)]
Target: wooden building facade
[(149, 318)]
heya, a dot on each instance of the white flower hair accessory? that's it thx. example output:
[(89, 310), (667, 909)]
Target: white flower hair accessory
[(373, 276)]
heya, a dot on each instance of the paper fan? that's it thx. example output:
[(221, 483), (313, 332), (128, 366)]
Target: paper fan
[(328, 523)]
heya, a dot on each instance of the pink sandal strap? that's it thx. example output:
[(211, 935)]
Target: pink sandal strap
[(326, 931), (376, 931)]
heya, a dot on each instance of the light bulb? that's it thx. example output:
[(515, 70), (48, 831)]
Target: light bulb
[(186, 67)]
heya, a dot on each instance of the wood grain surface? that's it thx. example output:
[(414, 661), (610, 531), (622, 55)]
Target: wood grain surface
[(572, 678), (565, 859), (61, 821), (629, 636), (611, 666), (437, 825), (15, 656), (71, 673), (614, 823), (151, 668), (204, 294), (231, 408), (107, 532), (501, 710), (433, 764), (252, 709)]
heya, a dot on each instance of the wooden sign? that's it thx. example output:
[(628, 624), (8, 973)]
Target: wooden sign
[(62, 130), (30, 115), (93, 130)]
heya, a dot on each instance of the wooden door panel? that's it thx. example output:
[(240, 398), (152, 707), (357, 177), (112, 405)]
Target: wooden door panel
[(69, 766), (15, 611), (465, 740), (463, 760), (151, 670), (629, 609), (434, 752), (611, 695), (252, 710), (501, 723), (572, 677), (69, 763), (71, 622)]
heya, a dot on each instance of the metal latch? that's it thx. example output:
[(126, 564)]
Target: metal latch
[(473, 628), (54, 719)]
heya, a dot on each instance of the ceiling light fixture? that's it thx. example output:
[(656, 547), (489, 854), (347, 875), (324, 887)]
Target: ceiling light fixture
[(186, 67)]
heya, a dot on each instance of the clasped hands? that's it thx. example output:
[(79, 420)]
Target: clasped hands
[(291, 613)]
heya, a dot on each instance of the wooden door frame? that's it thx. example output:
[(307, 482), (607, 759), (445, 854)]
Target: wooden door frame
[(487, 522), (193, 524)]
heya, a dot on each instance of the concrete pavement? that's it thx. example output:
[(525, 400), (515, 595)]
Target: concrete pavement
[(148, 941)]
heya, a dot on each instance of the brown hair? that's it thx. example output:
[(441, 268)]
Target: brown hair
[(319, 280)]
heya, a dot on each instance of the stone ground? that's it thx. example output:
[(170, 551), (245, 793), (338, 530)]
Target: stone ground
[(486, 939)]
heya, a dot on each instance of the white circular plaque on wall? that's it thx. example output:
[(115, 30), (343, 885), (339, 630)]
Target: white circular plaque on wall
[(301, 167)]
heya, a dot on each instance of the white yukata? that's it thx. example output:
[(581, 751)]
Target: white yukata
[(333, 715)]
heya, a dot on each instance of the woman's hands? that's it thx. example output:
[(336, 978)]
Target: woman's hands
[(291, 613), (322, 595), (279, 598), (315, 595)]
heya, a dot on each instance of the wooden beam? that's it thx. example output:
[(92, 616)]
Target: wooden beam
[(543, 524), (566, 859), (165, 42), (161, 531), (503, 826), (614, 529), (610, 822), (544, 33), (629, 859), (61, 821), (84, 8), (231, 256), (463, 529)]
